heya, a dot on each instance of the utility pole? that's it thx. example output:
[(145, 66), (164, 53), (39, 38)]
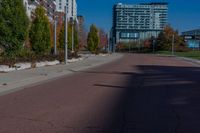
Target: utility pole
[(153, 41), (113, 43), (173, 39), (139, 45), (72, 35), (66, 30), (199, 46), (55, 36), (153, 46), (108, 41)]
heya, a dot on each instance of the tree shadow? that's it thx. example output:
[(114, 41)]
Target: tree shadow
[(160, 99)]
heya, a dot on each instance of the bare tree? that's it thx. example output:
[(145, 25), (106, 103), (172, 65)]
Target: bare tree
[(82, 33), (103, 39)]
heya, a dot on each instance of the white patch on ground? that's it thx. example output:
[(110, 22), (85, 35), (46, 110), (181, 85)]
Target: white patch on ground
[(4, 68), (22, 66)]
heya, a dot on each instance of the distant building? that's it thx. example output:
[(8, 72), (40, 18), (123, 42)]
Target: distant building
[(71, 9), (82, 35), (192, 38), (49, 6), (80, 20), (52, 7), (30, 8), (139, 21)]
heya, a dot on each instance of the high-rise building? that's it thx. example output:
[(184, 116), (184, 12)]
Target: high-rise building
[(71, 8), (49, 6), (52, 8), (139, 21)]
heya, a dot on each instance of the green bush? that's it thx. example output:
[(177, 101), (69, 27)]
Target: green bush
[(69, 37), (40, 36), (13, 25), (93, 39)]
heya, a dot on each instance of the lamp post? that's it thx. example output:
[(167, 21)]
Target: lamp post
[(72, 35), (55, 35), (153, 41), (113, 43), (108, 41), (66, 41), (153, 46), (173, 39)]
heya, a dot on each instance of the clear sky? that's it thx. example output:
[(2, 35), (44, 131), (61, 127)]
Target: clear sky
[(183, 14)]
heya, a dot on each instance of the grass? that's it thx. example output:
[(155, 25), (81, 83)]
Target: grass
[(189, 54)]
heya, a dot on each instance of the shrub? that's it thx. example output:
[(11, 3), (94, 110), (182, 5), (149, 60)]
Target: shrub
[(13, 25), (40, 36), (93, 39)]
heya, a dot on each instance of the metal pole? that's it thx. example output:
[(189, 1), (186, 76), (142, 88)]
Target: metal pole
[(153, 45), (199, 46), (108, 45), (55, 39), (173, 39), (72, 35), (139, 45), (113, 43), (66, 30)]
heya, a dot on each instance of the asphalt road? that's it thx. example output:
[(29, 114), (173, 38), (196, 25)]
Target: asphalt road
[(136, 94)]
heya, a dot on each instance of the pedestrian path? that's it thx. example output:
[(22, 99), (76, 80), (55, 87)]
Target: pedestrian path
[(17, 80)]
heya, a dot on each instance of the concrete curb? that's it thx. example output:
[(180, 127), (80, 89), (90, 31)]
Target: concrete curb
[(194, 61), (32, 77)]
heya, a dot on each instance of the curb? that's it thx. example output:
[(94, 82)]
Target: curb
[(14, 86)]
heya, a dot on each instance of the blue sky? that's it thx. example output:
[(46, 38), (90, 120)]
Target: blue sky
[(183, 14)]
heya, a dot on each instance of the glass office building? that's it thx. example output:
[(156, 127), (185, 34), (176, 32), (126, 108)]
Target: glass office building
[(192, 38), (138, 22)]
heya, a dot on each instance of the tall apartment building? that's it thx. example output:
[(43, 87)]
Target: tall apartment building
[(139, 21), (71, 8), (52, 7), (49, 6)]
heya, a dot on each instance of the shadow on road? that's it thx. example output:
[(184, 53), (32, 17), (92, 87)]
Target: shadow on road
[(159, 99)]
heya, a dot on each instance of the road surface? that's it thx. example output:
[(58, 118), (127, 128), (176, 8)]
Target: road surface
[(136, 94)]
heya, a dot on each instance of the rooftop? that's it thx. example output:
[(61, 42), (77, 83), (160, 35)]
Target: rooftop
[(152, 3), (192, 32)]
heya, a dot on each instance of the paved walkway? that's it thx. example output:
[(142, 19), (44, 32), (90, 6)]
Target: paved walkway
[(17, 80)]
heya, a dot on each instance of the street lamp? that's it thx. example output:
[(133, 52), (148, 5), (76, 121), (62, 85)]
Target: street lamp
[(72, 35), (153, 41), (108, 42), (66, 45), (173, 39), (55, 35)]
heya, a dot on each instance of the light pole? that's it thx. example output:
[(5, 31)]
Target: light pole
[(139, 45), (55, 35), (113, 43), (153, 41), (153, 46), (72, 35), (66, 41), (173, 39), (108, 45)]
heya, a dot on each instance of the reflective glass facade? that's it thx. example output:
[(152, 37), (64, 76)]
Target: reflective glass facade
[(142, 21)]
